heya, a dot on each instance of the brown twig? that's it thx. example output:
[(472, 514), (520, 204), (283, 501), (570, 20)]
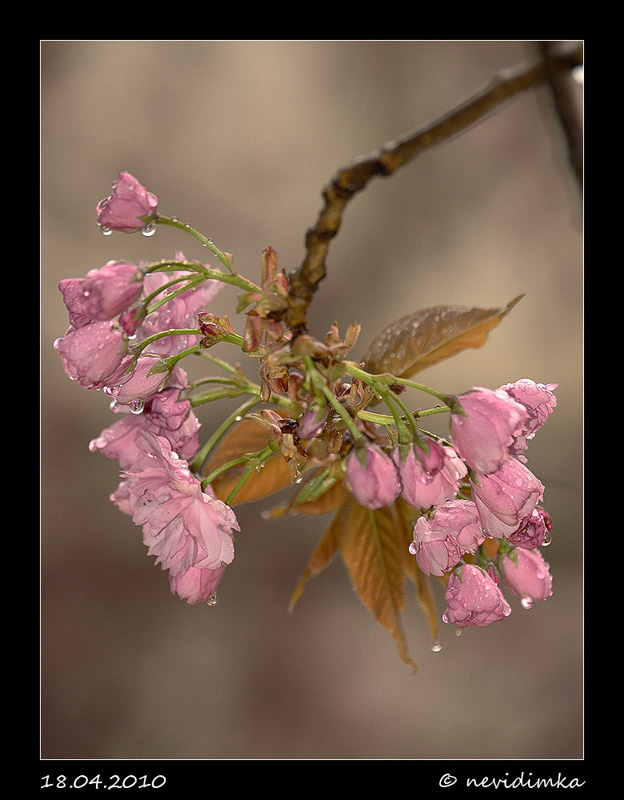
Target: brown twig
[(565, 108), (391, 156)]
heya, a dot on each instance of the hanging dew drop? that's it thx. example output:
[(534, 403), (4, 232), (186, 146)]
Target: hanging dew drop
[(212, 600), (436, 647), (413, 548), (149, 229), (136, 406), (106, 231)]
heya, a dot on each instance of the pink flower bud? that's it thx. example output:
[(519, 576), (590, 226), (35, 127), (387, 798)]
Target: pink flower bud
[(95, 355), (129, 207), (377, 484), (473, 597), (440, 541), (527, 575), (484, 427), (149, 376), (196, 585), (533, 532), (506, 498), (429, 478), (311, 422)]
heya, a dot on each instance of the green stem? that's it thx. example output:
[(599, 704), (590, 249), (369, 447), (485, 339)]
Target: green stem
[(233, 276), (253, 459), (256, 461), (140, 346), (199, 459), (384, 419), (218, 394), (386, 379), (320, 384)]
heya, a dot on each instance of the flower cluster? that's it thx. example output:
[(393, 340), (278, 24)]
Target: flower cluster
[(475, 488), (473, 506), (128, 326)]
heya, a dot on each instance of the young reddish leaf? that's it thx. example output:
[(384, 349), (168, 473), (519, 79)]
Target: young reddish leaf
[(324, 553), (247, 436), (426, 337), (374, 551), (273, 475)]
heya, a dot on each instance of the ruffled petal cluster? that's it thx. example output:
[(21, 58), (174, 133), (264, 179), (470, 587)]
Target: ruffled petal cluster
[(184, 527), (444, 537)]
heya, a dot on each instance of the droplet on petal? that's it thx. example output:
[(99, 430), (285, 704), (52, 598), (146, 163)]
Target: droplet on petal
[(136, 406)]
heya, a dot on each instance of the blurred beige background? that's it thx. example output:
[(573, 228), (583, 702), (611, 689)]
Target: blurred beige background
[(238, 138)]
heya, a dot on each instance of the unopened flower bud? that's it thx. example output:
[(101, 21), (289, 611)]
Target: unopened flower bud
[(129, 208), (375, 483), (483, 427), (473, 597), (527, 575)]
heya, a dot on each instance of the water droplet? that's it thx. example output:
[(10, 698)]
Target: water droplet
[(436, 647), (136, 406), (212, 600), (526, 602), (106, 231), (111, 391), (149, 229), (413, 548), (238, 418)]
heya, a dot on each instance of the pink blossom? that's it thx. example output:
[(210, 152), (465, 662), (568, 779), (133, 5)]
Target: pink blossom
[(103, 293), (539, 401), (95, 355), (527, 575), (377, 484), (124, 442), (311, 422), (149, 376), (196, 585), (429, 478), (129, 207), (178, 312), (506, 498), (473, 597), (183, 526), (442, 539), (484, 426), (534, 531)]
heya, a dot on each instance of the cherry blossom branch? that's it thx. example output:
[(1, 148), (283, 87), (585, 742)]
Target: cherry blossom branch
[(384, 162)]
